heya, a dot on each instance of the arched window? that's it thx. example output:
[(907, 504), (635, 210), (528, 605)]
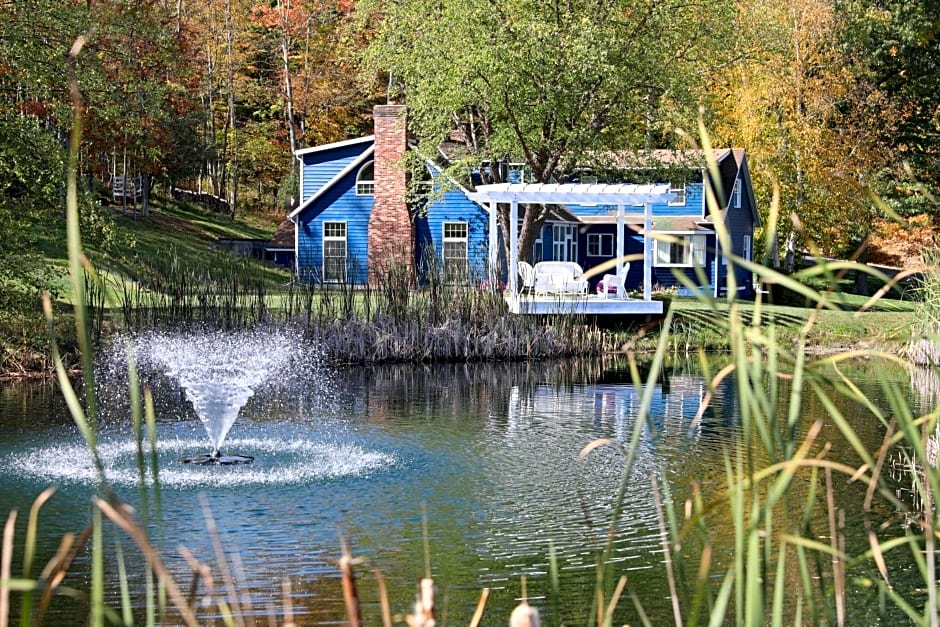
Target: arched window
[(365, 180)]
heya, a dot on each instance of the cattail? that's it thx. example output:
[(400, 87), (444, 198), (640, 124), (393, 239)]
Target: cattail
[(424, 606), (524, 616)]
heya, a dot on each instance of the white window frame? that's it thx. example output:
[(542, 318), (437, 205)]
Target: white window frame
[(748, 251), (596, 245), (736, 194), (518, 171), (462, 239), (564, 242), (681, 195), (328, 274), (692, 247), (364, 186)]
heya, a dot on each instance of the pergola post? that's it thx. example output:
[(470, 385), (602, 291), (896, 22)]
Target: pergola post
[(647, 251), (493, 259), (513, 250), (619, 242)]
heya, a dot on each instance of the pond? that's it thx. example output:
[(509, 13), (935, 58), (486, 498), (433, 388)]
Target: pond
[(471, 470)]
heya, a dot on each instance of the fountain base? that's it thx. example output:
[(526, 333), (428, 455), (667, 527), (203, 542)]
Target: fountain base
[(217, 458)]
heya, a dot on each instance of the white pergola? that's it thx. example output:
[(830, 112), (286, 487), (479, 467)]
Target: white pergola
[(569, 194)]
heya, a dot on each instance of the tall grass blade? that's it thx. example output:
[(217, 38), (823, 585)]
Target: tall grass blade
[(720, 610), (6, 559), (29, 552), (127, 612), (97, 570)]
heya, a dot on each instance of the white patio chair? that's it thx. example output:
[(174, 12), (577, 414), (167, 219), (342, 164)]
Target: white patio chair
[(527, 277), (614, 283)]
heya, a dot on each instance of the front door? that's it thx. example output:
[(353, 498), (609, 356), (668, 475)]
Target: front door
[(564, 242)]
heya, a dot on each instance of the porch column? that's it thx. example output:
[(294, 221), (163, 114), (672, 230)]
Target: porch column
[(493, 257), (513, 250), (619, 242), (647, 251)]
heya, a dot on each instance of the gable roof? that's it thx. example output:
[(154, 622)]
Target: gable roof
[(353, 165), (347, 142)]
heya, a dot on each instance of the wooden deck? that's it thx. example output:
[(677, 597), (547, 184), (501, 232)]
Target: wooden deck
[(590, 305)]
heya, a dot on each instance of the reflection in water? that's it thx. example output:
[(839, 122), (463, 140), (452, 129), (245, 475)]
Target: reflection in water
[(489, 451)]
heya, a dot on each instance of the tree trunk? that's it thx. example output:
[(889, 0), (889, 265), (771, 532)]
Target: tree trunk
[(232, 174), (288, 89)]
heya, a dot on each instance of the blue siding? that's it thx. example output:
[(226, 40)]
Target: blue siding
[(320, 167), (693, 207), (453, 206), (339, 204), (740, 222), (633, 245)]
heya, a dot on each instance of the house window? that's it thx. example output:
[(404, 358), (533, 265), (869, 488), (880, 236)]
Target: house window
[(334, 252), (455, 251), (365, 180), (564, 242), (747, 247), (679, 250), (679, 190), (600, 245), (517, 173), (736, 194)]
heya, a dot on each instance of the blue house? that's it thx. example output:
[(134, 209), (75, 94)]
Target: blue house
[(354, 220)]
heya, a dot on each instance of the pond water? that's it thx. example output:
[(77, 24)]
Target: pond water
[(487, 453)]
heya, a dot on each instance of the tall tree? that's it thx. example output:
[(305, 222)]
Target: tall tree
[(549, 84), (898, 43), (809, 119)]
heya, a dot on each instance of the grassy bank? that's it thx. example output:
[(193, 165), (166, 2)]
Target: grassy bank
[(167, 268)]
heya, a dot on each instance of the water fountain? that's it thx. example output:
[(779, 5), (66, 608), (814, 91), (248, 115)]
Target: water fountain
[(219, 372)]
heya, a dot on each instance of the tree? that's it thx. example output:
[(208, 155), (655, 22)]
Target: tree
[(809, 118), (552, 85), (899, 44)]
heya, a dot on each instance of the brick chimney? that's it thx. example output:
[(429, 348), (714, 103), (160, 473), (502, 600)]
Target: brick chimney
[(391, 232)]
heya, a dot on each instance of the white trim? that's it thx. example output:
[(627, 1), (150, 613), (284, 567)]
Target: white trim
[(296, 247), (348, 142), (681, 199), (573, 194), (370, 182), (333, 238), (693, 251), (466, 191), (465, 240), (600, 238), (349, 168)]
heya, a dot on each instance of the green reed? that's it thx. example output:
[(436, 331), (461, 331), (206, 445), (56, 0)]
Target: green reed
[(798, 574)]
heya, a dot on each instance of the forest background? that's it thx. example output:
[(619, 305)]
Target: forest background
[(836, 101)]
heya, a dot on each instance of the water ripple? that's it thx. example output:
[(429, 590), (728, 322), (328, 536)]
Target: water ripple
[(277, 462)]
